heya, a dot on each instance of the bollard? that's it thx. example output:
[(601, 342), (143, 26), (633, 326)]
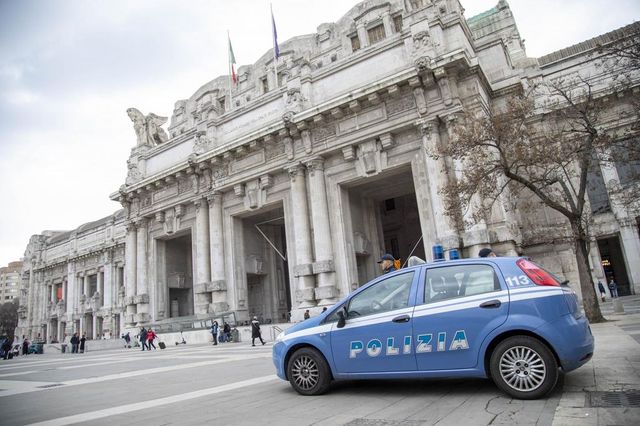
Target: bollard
[(617, 306)]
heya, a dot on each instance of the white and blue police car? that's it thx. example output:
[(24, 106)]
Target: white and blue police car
[(504, 318)]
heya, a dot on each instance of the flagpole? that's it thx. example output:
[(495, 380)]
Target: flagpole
[(275, 58), (230, 70)]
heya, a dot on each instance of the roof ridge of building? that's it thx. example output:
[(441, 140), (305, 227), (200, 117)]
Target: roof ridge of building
[(589, 44)]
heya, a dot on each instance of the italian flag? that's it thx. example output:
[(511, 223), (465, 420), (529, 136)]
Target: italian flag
[(232, 63)]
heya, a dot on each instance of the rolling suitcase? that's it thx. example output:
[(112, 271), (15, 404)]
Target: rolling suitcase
[(162, 345)]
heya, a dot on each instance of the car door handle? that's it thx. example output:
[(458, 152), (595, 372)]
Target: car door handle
[(402, 318), (491, 304)]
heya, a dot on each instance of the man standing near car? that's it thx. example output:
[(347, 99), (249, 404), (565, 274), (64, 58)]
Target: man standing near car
[(386, 263)]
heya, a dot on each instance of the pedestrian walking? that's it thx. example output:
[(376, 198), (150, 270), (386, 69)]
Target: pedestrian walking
[(75, 342), (227, 331), (601, 290), (613, 288), (255, 332), (143, 338), (151, 335), (307, 315), (83, 340), (127, 340), (214, 332), (25, 345)]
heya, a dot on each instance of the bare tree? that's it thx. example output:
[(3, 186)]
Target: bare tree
[(9, 318), (525, 149)]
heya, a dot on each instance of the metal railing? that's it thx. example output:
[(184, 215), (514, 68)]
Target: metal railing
[(186, 323), (274, 331)]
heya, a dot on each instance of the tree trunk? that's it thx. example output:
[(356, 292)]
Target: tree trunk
[(589, 298)]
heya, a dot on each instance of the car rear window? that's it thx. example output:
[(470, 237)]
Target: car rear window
[(450, 282)]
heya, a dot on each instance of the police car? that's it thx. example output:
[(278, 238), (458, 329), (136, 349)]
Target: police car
[(504, 318)]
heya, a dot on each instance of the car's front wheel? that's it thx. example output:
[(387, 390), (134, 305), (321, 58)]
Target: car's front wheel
[(308, 372), (524, 367)]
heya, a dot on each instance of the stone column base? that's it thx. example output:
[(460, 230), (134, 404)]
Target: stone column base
[(202, 308), (218, 307), (306, 297), (327, 295), (141, 317)]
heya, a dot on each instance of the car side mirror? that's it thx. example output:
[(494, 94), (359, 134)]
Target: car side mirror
[(342, 320)]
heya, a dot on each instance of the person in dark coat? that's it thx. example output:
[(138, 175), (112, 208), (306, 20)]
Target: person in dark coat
[(143, 338), (255, 331), (82, 342), (75, 341), (25, 346), (613, 288), (227, 332), (601, 290)]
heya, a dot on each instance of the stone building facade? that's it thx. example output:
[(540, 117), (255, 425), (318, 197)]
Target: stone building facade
[(10, 281), (280, 196), (73, 281)]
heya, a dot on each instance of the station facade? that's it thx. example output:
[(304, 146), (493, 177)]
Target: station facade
[(281, 196)]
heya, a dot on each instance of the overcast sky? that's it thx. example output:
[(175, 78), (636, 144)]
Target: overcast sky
[(70, 68)]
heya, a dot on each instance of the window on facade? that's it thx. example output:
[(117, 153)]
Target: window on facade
[(386, 295), (596, 189), (355, 43), (397, 23), (376, 34), (264, 84), (451, 282), (628, 171)]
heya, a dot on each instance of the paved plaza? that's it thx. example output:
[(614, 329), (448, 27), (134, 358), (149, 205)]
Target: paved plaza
[(235, 384)]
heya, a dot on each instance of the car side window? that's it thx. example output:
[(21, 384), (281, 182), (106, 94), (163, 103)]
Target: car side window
[(450, 282), (386, 295)]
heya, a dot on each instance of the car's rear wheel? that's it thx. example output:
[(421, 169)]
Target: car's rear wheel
[(524, 367), (308, 372)]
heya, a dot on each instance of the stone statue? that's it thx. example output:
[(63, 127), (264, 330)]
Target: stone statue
[(148, 128)]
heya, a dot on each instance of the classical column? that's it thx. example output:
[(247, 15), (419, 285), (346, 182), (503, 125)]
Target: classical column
[(218, 284), (85, 285), (142, 284), (100, 279), (203, 258), (70, 296), (94, 326), (59, 331), (130, 249), (387, 23), (363, 36), (435, 177), (64, 294), (629, 238), (303, 269), (107, 285), (82, 325), (326, 291)]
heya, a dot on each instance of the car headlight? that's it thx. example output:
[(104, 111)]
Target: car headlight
[(280, 336)]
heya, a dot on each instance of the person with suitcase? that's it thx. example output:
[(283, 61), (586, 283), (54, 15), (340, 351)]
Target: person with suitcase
[(151, 336)]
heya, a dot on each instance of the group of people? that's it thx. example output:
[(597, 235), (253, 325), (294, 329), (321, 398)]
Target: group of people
[(613, 289), (307, 314), (221, 334), (78, 343), (147, 336), (224, 334)]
